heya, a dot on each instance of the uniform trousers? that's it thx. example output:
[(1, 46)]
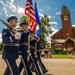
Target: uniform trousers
[(39, 59), (7, 71), (24, 62), (11, 67), (37, 70)]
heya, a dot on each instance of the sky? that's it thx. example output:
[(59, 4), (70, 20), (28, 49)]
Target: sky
[(52, 8)]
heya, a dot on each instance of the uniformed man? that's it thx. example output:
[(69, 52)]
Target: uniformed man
[(23, 51), (32, 51), (39, 46), (11, 47)]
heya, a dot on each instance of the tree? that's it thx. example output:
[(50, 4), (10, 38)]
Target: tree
[(24, 19), (45, 29)]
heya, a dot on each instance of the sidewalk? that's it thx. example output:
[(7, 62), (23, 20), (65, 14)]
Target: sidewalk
[(55, 66)]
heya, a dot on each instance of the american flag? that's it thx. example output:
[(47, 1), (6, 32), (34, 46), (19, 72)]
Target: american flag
[(29, 12)]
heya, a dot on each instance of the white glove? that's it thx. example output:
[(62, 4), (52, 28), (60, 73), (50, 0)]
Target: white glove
[(17, 36)]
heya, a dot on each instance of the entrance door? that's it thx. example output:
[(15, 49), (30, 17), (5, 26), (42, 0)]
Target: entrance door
[(69, 45)]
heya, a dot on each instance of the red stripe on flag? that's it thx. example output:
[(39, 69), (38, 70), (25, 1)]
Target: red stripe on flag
[(29, 12)]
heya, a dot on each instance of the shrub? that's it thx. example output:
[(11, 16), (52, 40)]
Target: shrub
[(60, 51)]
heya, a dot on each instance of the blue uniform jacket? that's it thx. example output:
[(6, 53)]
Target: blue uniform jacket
[(11, 48), (23, 43)]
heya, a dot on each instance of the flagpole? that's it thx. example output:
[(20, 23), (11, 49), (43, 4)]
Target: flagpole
[(29, 35)]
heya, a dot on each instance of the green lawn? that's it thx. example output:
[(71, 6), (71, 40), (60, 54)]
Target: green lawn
[(61, 56)]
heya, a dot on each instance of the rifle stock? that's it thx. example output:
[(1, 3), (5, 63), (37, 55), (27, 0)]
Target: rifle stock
[(8, 26)]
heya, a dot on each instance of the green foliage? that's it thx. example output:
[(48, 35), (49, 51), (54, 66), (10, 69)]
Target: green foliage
[(45, 29), (18, 29), (61, 56), (1, 46), (48, 46), (24, 19), (60, 51)]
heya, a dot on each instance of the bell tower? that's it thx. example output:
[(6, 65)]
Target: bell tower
[(66, 23)]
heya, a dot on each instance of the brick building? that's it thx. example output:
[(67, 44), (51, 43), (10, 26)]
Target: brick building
[(65, 37)]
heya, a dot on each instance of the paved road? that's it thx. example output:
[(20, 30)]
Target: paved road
[(55, 66)]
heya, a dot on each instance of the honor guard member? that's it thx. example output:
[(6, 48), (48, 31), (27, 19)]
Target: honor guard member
[(32, 51), (23, 42), (11, 46), (39, 46), (23, 51)]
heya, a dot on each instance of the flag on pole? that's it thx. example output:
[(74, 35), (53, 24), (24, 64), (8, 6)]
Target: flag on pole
[(29, 12), (38, 30), (27, 8)]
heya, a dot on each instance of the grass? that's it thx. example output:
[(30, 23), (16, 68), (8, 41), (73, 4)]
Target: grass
[(61, 56)]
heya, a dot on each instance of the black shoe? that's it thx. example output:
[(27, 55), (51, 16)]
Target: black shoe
[(45, 71)]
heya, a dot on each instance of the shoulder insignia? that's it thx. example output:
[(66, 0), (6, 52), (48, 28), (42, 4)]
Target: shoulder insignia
[(4, 33)]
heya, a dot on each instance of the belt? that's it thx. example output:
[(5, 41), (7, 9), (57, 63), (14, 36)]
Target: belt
[(32, 47), (11, 44), (23, 43), (38, 50)]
